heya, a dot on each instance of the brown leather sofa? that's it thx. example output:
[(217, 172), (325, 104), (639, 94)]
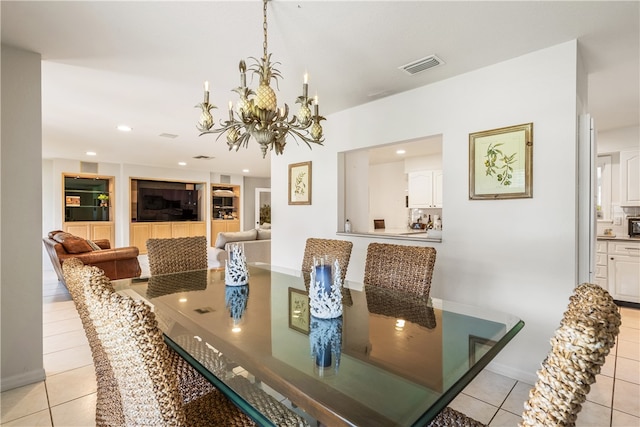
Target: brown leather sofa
[(117, 263)]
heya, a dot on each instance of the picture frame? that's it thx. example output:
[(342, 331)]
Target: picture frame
[(300, 183), (72, 201), (478, 347), (299, 314), (501, 163)]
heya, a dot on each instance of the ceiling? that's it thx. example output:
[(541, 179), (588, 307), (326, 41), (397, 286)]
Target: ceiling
[(144, 63)]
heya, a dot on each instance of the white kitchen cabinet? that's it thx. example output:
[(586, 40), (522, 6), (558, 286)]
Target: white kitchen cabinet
[(630, 178), (624, 270), (601, 264), (437, 188), (425, 189)]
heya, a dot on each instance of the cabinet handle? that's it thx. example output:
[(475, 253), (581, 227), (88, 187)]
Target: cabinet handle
[(633, 249)]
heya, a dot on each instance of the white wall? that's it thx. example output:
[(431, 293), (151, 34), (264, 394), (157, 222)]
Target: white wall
[(20, 220), (616, 140), (515, 255)]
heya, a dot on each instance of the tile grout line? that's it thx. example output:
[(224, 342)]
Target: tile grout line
[(46, 391), (502, 403), (613, 383)]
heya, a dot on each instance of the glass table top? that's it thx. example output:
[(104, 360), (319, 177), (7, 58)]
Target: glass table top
[(390, 359)]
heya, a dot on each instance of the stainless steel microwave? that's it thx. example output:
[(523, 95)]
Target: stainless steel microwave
[(634, 226)]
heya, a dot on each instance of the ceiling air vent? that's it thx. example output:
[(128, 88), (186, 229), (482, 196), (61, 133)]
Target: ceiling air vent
[(420, 65), (168, 135), (202, 157)]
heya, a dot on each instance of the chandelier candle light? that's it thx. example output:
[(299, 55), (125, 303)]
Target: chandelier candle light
[(257, 114)]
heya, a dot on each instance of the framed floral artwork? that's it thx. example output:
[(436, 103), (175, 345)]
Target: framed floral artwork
[(300, 183), (501, 163), (299, 314)]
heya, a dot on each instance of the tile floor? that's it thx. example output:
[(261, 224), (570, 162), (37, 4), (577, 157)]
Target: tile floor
[(68, 395)]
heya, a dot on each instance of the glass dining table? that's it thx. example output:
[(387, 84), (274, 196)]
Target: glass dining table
[(390, 360)]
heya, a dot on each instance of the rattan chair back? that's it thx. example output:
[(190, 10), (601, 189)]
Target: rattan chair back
[(579, 347), (192, 385), (177, 254), (108, 400), (338, 249), (141, 363), (399, 267)]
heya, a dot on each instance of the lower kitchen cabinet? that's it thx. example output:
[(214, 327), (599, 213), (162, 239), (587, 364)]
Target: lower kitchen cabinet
[(623, 270), (601, 264)]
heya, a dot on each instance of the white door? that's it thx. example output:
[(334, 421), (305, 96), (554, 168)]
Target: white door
[(262, 204)]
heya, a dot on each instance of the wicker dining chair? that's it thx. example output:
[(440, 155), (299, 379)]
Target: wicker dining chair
[(219, 365), (339, 249), (578, 350), (108, 401), (141, 364), (400, 305), (399, 267), (177, 254)]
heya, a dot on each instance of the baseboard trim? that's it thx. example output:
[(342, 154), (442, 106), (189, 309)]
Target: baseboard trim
[(627, 304), (27, 378), (516, 374)]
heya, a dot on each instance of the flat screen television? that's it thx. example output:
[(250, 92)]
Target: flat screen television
[(167, 201)]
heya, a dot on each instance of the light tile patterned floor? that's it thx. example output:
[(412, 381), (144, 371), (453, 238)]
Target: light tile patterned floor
[(68, 396)]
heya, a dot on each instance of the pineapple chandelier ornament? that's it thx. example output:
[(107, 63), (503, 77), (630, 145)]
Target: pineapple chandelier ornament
[(257, 114)]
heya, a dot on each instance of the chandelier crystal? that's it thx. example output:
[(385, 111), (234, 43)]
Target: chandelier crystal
[(256, 113)]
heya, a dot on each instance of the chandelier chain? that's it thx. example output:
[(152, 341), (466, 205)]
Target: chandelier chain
[(264, 28)]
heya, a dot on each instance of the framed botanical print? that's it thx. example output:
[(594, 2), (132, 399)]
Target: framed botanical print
[(501, 163), (299, 314), (300, 183)]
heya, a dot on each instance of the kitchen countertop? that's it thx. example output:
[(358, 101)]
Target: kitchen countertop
[(399, 234), (618, 237)]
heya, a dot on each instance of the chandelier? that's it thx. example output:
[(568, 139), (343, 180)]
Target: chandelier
[(256, 113)]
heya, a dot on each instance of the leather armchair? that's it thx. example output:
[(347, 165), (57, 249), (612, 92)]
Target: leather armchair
[(117, 263)]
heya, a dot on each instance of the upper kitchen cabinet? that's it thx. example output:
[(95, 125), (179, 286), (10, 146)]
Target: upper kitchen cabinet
[(630, 178), (425, 189)]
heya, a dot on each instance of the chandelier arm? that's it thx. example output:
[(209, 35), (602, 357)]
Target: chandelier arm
[(306, 140)]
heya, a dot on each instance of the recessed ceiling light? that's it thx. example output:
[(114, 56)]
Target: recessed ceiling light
[(91, 153), (245, 170), (400, 151), (182, 163), (124, 128)]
